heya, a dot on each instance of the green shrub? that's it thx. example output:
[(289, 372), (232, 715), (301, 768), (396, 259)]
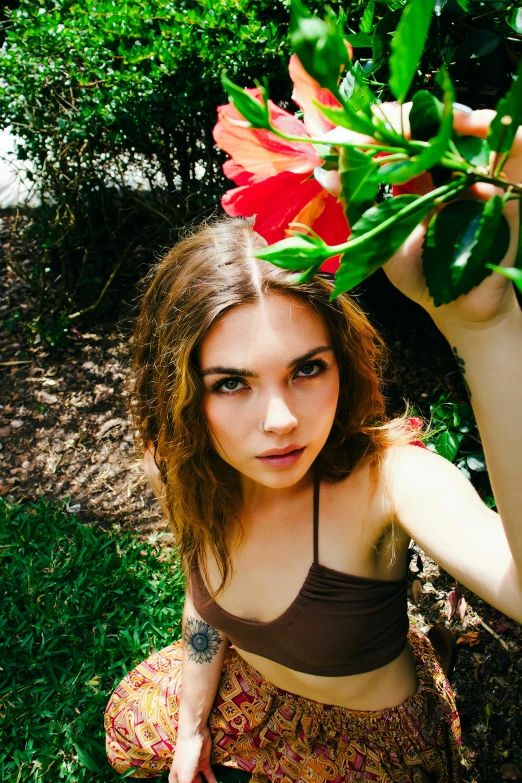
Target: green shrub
[(80, 606), (104, 92)]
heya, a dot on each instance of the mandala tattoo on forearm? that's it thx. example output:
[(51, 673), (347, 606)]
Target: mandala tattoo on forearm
[(201, 639), (462, 367)]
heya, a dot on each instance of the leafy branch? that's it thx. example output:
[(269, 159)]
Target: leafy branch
[(467, 240)]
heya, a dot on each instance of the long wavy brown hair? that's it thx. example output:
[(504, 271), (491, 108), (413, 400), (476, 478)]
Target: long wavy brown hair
[(206, 274)]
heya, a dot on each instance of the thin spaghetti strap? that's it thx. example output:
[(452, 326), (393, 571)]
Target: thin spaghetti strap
[(316, 517)]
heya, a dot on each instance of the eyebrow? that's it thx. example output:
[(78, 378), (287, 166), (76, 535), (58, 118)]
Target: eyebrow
[(218, 370)]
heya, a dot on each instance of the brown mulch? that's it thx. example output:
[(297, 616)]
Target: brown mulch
[(65, 434)]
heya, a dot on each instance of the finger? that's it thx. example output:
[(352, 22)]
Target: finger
[(197, 779), (329, 180), (475, 124), (397, 115), (339, 134)]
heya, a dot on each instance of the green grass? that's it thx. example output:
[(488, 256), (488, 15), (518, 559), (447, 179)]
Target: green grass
[(79, 608)]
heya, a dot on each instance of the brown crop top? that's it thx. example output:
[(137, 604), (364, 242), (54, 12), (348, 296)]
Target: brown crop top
[(337, 625)]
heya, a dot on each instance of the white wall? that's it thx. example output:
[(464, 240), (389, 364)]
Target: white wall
[(14, 189)]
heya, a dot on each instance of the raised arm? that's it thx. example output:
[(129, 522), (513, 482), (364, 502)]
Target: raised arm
[(204, 651)]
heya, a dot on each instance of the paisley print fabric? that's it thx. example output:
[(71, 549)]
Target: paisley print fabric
[(279, 737)]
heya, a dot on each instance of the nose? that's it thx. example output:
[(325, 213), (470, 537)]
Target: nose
[(279, 418)]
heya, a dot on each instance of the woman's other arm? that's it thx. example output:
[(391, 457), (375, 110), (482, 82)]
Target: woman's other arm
[(204, 651)]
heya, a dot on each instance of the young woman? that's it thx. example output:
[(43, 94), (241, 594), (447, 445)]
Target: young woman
[(293, 502)]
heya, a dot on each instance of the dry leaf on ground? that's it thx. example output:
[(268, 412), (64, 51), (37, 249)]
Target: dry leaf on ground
[(470, 639), (47, 399), (416, 590)]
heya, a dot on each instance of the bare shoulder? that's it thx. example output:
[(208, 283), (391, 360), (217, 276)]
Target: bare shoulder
[(372, 504)]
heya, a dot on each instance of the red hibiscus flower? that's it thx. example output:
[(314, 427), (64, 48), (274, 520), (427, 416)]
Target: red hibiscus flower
[(275, 177)]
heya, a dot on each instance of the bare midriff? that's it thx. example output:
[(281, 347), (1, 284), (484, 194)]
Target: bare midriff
[(383, 688)]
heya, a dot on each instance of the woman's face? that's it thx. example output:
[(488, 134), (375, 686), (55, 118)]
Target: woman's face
[(272, 385)]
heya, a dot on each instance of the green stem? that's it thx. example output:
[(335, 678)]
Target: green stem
[(330, 143), (451, 163), (437, 196)]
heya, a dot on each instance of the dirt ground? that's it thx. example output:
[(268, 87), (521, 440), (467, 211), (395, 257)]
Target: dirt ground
[(65, 433)]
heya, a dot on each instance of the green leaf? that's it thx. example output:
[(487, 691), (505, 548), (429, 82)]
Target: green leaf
[(354, 89), (408, 44), (87, 761), (425, 115), (375, 238), (254, 112), (515, 19), (477, 462), (297, 252), (381, 46), (476, 151), (477, 43), (398, 173), (347, 117), (359, 186), (458, 240), (358, 40), (447, 444), (505, 124), (319, 46), (367, 18)]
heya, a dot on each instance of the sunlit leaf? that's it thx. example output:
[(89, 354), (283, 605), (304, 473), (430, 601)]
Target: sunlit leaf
[(505, 124), (515, 19), (297, 252), (378, 234), (254, 112), (408, 44), (359, 39), (367, 18), (447, 444), (359, 187), (356, 91), (347, 117), (401, 172), (319, 46), (477, 462), (458, 240), (476, 151)]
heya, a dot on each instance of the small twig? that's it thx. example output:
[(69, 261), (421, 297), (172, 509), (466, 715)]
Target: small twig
[(492, 632), (20, 361)]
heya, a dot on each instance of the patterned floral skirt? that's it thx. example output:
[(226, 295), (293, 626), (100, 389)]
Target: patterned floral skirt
[(283, 738)]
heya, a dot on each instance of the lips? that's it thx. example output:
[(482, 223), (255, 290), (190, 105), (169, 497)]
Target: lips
[(287, 459), (280, 452)]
